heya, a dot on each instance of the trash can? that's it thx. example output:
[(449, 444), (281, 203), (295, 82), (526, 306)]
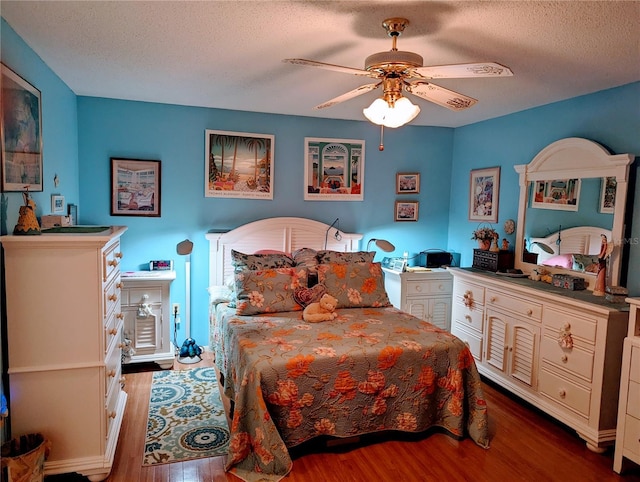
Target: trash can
[(23, 458)]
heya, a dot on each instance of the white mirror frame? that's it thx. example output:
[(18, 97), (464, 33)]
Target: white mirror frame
[(562, 160)]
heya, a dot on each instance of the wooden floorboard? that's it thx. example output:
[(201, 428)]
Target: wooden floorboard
[(526, 445)]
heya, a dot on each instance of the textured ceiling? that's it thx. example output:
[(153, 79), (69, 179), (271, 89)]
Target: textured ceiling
[(227, 54)]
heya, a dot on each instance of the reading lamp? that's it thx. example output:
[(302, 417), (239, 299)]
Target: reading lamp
[(189, 351), (383, 244), (337, 234), (544, 247)]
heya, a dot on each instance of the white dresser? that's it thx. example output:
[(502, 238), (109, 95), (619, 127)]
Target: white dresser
[(425, 294), (147, 317), (64, 330), (628, 434), (559, 350)]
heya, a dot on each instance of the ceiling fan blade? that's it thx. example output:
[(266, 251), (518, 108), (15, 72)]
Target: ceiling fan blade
[(441, 96), (363, 89), (461, 71), (337, 68)]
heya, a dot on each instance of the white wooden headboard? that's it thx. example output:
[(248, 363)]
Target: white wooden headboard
[(580, 240), (283, 234)]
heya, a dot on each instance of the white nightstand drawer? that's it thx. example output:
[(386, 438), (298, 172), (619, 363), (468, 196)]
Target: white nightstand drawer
[(428, 287), (565, 392), (137, 296), (520, 306), (574, 360)]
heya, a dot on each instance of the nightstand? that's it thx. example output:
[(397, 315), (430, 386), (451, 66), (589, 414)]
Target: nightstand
[(147, 317), (628, 430), (425, 293)]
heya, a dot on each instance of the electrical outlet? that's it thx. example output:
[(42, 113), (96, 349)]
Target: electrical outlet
[(175, 309)]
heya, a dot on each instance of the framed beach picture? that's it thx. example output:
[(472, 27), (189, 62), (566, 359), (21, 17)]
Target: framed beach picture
[(484, 190), (407, 183), (135, 187), (333, 169), (238, 165), (406, 211), (608, 195), (21, 133), (558, 194)]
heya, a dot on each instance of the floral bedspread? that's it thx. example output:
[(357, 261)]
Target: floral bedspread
[(369, 370)]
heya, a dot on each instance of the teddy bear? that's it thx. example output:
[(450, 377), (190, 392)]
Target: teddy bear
[(322, 310)]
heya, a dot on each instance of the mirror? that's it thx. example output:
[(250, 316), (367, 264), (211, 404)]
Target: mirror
[(561, 216)]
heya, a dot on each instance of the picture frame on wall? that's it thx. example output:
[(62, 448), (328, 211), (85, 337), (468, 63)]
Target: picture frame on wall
[(406, 211), (484, 191), (557, 194), (57, 204), (608, 195), (333, 169), (238, 165), (135, 187), (21, 134), (407, 183)]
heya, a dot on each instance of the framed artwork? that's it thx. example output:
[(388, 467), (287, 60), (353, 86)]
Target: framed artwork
[(333, 169), (238, 165), (608, 195), (21, 133), (407, 183), (558, 194), (57, 204), (135, 187), (484, 190), (406, 211)]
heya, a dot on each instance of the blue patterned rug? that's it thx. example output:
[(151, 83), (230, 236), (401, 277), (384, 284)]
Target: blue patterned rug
[(186, 417)]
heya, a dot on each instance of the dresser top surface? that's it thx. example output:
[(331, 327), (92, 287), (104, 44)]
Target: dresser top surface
[(109, 232)]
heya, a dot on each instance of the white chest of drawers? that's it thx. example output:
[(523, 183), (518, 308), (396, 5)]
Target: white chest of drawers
[(147, 316), (64, 329), (560, 351), (628, 434), (424, 294)]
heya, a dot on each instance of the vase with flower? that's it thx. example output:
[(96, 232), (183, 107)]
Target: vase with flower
[(484, 235)]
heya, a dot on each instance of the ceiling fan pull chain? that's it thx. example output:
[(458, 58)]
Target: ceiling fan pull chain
[(381, 146)]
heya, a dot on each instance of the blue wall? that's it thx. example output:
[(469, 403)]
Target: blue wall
[(59, 129), (81, 134)]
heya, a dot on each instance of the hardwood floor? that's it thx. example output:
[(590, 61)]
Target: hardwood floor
[(526, 445)]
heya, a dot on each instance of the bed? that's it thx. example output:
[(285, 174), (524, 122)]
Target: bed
[(578, 248), (372, 369)]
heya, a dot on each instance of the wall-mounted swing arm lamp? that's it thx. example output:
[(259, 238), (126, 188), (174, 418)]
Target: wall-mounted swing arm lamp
[(383, 244), (337, 234)]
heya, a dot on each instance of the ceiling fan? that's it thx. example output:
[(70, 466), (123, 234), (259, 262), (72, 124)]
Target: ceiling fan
[(396, 71)]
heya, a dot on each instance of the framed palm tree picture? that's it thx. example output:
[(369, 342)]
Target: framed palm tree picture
[(238, 165)]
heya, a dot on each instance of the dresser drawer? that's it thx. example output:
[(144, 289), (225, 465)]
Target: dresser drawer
[(111, 405), (111, 296), (557, 322), (632, 434), (564, 392), (634, 374), (112, 368), (474, 342), (469, 318), (111, 260), (520, 306), (576, 361), (415, 287), (112, 330), (469, 292)]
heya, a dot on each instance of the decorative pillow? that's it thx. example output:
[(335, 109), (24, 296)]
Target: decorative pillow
[(220, 294), (268, 290), (327, 256), (585, 262), (242, 261), (306, 258), (355, 285), (561, 260), (306, 296)]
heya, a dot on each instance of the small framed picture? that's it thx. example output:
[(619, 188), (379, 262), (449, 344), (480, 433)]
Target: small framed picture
[(608, 195), (406, 211), (407, 183), (484, 188), (57, 204), (135, 187)]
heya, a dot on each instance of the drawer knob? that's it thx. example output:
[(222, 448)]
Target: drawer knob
[(113, 262), (120, 285), (564, 358), (566, 326), (468, 298), (113, 297), (493, 299), (562, 393), (121, 345), (118, 254), (418, 288), (112, 414), (468, 318), (529, 312), (122, 381), (111, 374), (120, 316), (113, 331)]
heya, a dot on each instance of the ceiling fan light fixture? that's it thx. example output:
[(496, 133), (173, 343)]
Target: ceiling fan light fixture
[(381, 112)]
